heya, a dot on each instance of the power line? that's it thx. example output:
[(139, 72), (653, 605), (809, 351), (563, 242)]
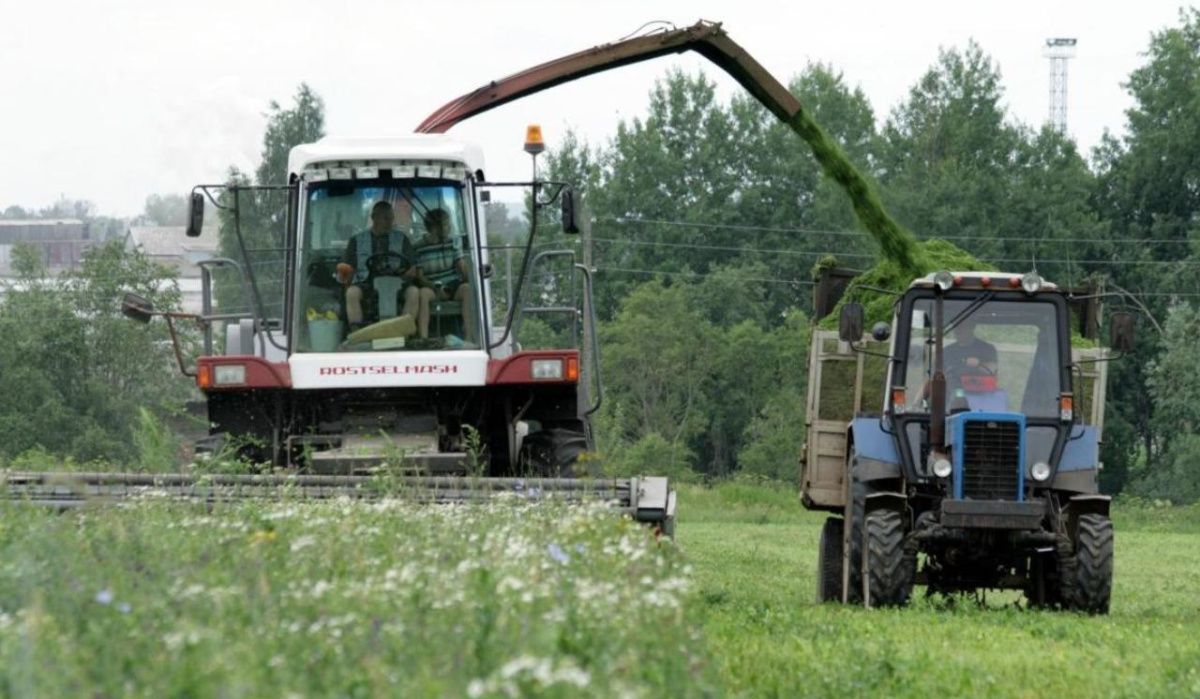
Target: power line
[(789, 282), (1040, 260), (621, 220)]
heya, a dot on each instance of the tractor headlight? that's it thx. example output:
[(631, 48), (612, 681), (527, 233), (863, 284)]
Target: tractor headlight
[(942, 467), (550, 369), (1031, 283), (943, 280), (1040, 471), (229, 374)]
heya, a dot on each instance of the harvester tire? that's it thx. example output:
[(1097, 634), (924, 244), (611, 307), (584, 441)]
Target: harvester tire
[(829, 561), (888, 575), (553, 453), (1089, 584)]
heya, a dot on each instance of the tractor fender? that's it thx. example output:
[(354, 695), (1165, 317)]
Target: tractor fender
[(876, 458), (896, 502), (1079, 505)]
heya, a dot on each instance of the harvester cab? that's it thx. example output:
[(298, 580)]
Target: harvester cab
[(980, 470)]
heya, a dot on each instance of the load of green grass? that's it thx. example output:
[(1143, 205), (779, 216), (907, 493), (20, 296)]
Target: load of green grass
[(888, 274)]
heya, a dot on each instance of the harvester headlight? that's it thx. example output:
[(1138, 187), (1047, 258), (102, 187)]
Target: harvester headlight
[(1031, 283), (942, 467), (546, 369), (1040, 471), (366, 173), (943, 280), (229, 374)]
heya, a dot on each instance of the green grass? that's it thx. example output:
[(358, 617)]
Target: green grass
[(754, 557), (392, 599), (339, 599)]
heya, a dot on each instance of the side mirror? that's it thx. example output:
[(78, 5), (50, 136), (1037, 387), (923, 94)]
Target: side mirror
[(1121, 331), (572, 210), (850, 323), (488, 270), (881, 331), (195, 215), (137, 308)]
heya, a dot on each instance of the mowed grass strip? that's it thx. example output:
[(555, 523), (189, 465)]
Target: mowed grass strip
[(754, 553), (341, 599)]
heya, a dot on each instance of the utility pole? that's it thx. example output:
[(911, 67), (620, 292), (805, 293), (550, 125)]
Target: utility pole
[(585, 353), (1059, 50)]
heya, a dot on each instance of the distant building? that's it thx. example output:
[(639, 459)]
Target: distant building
[(170, 246), (62, 241)]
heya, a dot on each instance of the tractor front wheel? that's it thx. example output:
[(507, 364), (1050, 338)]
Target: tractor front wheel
[(887, 571), (1088, 583)]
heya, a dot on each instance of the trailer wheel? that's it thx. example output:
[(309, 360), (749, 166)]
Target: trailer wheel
[(887, 574), (829, 561), (553, 453), (1089, 583), (855, 507)]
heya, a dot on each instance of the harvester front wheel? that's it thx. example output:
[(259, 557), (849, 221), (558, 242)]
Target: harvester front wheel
[(553, 453), (1089, 587), (829, 561), (887, 572)]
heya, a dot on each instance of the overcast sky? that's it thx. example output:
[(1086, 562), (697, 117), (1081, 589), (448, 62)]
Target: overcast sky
[(112, 101)]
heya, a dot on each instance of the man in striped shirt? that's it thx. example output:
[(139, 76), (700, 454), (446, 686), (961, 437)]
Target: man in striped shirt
[(441, 272)]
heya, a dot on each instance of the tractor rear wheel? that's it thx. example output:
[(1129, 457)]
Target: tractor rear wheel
[(829, 561), (855, 507), (887, 574), (1089, 587)]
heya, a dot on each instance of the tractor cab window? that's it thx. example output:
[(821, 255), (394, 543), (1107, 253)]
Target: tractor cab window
[(385, 266), (1001, 356)]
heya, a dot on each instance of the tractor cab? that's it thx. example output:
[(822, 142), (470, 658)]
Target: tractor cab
[(1005, 364)]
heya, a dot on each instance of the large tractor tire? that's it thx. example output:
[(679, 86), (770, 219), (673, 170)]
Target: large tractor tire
[(855, 507), (888, 575), (553, 453), (829, 561), (1088, 577)]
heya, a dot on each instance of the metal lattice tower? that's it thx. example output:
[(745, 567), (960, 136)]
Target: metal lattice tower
[(1059, 51)]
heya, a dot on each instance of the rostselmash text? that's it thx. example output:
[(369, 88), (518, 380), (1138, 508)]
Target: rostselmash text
[(381, 370)]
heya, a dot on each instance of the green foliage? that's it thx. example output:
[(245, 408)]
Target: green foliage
[(262, 214), (76, 372), (165, 210), (157, 447), (651, 455)]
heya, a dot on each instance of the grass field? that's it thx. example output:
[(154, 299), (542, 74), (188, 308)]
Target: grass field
[(389, 599), (754, 557)]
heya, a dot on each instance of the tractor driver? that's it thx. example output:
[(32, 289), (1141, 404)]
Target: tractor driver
[(442, 272), (970, 366), (389, 251), (969, 356), (971, 371)]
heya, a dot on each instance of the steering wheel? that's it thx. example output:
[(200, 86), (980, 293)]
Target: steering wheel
[(378, 264), (979, 368)]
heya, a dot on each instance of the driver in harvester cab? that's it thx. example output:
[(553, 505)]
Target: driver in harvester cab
[(970, 365), (381, 249)]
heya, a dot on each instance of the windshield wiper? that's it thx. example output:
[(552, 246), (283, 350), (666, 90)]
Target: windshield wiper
[(966, 312)]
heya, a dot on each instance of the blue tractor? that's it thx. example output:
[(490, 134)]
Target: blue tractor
[(981, 470)]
